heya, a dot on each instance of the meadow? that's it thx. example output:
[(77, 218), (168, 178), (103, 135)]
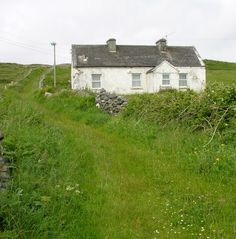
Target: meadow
[(80, 173)]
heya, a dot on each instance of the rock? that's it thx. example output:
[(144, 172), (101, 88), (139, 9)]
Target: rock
[(110, 103), (1, 136), (102, 91), (4, 174), (112, 96), (47, 94)]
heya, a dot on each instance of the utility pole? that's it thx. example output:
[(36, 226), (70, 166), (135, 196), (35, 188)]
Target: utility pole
[(55, 77)]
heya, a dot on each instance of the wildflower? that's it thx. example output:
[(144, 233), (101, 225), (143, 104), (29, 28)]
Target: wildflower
[(217, 159), (157, 231), (77, 191), (202, 229), (69, 188), (77, 185)]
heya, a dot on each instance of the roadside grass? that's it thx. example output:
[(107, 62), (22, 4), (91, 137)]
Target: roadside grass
[(78, 173)]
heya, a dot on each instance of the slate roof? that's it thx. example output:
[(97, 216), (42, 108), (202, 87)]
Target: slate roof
[(133, 56)]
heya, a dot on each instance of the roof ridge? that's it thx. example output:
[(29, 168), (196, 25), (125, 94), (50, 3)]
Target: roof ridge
[(94, 45)]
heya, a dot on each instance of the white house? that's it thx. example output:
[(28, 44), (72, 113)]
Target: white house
[(127, 69)]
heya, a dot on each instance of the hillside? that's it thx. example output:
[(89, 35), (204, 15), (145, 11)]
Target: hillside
[(220, 72), (79, 173), (217, 72)]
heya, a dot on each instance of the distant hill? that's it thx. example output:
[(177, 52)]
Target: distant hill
[(220, 72)]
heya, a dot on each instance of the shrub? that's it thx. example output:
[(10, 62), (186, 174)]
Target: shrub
[(215, 107)]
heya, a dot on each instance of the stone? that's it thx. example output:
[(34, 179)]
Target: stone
[(47, 94), (4, 174), (3, 168), (1, 136), (110, 103)]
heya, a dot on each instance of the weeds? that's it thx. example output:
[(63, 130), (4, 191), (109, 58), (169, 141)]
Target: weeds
[(79, 173)]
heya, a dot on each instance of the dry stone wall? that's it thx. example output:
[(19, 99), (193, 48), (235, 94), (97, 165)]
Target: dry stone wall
[(4, 168), (110, 103)]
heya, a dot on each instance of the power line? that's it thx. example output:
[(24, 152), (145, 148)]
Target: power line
[(28, 47), (23, 46)]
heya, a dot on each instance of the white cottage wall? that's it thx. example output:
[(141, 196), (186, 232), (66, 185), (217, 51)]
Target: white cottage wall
[(119, 79), (113, 79)]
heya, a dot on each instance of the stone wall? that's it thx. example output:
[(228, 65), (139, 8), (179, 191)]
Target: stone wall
[(4, 168), (110, 103), (4, 174)]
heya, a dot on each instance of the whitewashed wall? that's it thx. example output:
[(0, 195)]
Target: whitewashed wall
[(119, 79)]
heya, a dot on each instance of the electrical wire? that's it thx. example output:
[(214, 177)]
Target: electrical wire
[(28, 47)]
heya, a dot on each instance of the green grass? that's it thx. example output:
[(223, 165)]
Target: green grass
[(220, 72), (78, 173), (63, 77), (11, 72)]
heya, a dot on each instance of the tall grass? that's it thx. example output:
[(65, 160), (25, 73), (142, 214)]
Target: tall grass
[(79, 173)]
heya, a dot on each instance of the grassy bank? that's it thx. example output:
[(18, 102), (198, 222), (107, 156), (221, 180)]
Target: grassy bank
[(78, 173)]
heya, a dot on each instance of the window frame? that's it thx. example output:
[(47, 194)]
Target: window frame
[(165, 79), (181, 80), (136, 80), (96, 81)]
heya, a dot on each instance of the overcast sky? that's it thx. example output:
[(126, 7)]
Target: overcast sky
[(28, 26)]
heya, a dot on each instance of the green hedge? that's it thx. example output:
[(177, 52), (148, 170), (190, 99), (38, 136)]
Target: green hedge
[(214, 108)]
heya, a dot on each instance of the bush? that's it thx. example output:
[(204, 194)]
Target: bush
[(216, 107)]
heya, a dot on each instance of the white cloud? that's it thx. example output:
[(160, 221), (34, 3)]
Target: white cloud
[(210, 25)]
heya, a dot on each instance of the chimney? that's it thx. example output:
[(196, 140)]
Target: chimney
[(161, 44), (111, 44)]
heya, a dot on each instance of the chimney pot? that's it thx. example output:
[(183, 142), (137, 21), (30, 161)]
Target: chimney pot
[(161, 44), (111, 44)]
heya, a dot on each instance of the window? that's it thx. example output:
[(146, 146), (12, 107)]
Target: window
[(96, 81), (183, 80), (136, 80), (165, 79)]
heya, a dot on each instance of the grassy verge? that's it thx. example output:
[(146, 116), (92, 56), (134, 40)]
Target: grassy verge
[(79, 173)]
